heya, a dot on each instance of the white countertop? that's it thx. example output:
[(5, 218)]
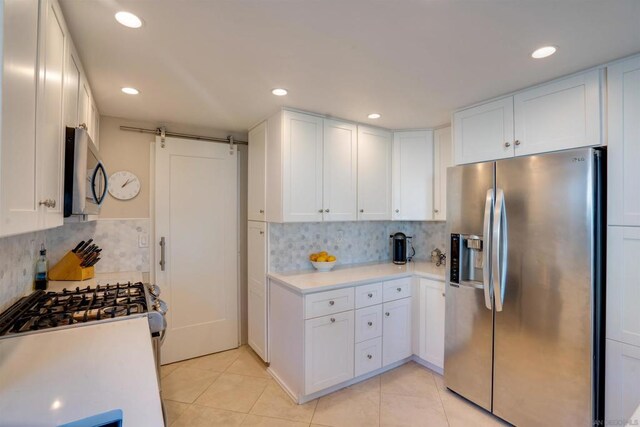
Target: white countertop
[(99, 279), (55, 377), (315, 281)]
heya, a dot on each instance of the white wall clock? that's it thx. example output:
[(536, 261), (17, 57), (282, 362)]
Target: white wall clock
[(124, 185)]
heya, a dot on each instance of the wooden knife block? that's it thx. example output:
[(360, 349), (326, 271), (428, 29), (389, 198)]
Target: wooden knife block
[(68, 268)]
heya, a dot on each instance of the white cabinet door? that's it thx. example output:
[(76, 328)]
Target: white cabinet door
[(329, 351), (623, 80), (84, 103), (442, 159), (302, 172), (20, 211), (368, 323), (50, 138), (95, 136), (256, 191), (413, 175), (368, 356), (623, 284), (431, 323), (374, 174), (257, 284), (72, 89), (396, 331), (560, 115), (622, 383), (340, 171), (484, 132)]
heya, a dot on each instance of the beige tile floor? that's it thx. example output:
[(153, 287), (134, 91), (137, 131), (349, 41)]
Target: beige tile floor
[(233, 388)]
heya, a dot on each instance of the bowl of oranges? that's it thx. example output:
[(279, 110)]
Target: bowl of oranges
[(323, 261)]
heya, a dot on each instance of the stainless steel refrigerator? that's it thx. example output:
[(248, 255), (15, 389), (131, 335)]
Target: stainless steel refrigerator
[(525, 287)]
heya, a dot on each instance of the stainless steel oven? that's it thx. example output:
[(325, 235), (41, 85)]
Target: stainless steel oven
[(85, 177)]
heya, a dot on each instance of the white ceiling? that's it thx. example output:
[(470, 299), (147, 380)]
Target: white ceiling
[(213, 63)]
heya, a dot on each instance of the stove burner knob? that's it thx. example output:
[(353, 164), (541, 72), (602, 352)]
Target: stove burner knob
[(154, 290), (160, 306)]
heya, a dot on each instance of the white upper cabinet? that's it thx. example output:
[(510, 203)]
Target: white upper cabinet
[(374, 173), (442, 159), (560, 115), (302, 171), (71, 89), (624, 142), (484, 132), (257, 196), (413, 174), (19, 182), (50, 134), (340, 179)]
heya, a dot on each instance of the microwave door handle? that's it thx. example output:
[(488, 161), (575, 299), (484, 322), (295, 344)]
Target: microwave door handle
[(486, 264), (499, 249)]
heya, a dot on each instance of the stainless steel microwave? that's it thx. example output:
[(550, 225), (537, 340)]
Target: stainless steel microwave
[(85, 177)]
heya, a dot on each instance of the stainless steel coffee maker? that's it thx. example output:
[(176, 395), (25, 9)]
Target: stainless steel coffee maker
[(401, 248)]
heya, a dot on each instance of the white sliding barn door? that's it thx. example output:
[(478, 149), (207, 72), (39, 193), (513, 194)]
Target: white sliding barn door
[(196, 212)]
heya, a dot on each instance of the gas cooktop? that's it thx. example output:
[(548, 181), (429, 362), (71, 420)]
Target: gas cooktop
[(44, 310)]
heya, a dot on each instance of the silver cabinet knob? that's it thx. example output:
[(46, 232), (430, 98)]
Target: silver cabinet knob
[(370, 295), (261, 211), (387, 314), (333, 320), (49, 203), (516, 142), (507, 144), (443, 294), (331, 302), (320, 211), (370, 323), (369, 356), (261, 232), (399, 289), (326, 210), (436, 211), (361, 210), (397, 210)]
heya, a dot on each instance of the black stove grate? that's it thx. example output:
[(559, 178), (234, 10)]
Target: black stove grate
[(43, 310)]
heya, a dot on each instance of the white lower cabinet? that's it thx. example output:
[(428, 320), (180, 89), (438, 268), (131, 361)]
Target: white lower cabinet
[(396, 331), (329, 350), (257, 288), (368, 323), (622, 385), (430, 322), (368, 356)]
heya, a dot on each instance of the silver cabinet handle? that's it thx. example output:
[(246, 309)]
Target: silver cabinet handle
[(369, 356), (370, 323), (49, 203), (370, 295), (517, 142), (261, 211), (333, 320), (162, 262), (331, 302), (399, 289), (507, 144), (326, 210), (387, 314), (361, 210), (486, 279)]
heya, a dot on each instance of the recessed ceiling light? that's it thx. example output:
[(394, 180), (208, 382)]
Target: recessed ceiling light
[(543, 52), (128, 19), (130, 90), (279, 92), (374, 116)]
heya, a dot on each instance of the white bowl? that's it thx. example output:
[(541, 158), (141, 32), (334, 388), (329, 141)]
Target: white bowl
[(323, 266)]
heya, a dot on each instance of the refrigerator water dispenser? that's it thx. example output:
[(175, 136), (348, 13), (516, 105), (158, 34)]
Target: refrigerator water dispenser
[(467, 259)]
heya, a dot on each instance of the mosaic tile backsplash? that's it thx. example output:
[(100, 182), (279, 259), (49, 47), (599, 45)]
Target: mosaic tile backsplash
[(118, 239), (351, 242)]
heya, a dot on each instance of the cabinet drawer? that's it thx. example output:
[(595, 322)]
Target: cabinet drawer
[(368, 323), (323, 303), (396, 289), (367, 295), (368, 356)]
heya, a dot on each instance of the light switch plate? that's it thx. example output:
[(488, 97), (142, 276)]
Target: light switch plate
[(143, 240)]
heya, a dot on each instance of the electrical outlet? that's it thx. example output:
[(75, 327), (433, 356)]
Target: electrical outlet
[(143, 240)]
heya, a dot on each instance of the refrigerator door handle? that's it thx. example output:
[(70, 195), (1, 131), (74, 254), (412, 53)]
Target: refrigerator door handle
[(499, 249), (486, 265)]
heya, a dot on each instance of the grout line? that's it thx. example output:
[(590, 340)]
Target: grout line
[(440, 397)]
